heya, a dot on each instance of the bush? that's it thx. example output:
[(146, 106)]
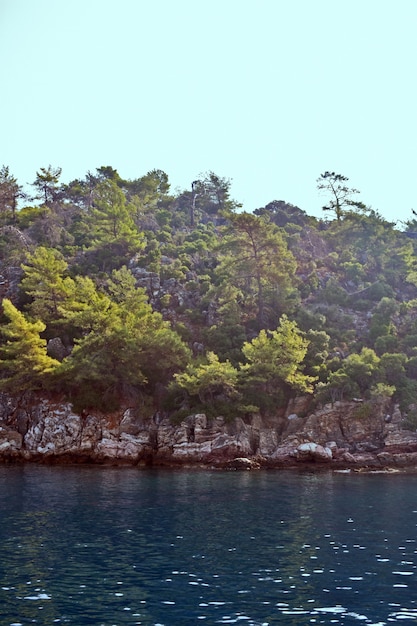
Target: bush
[(379, 290), (333, 293), (386, 343)]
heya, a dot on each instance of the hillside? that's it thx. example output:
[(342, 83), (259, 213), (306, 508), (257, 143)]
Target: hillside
[(118, 293)]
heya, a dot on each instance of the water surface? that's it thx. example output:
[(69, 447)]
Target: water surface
[(103, 546)]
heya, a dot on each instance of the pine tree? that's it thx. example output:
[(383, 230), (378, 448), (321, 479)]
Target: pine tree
[(208, 380), (125, 347), (10, 192), (24, 363), (257, 260), (274, 358), (45, 282), (47, 184)]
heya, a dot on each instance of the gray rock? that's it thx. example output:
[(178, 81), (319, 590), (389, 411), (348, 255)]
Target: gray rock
[(33, 428), (313, 452), (56, 349), (242, 463)]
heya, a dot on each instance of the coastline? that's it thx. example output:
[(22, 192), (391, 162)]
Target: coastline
[(38, 429)]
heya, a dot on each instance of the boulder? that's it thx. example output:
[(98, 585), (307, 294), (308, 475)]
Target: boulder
[(242, 463), (314, 452)]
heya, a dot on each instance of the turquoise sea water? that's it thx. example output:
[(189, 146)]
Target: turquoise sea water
[(88, 545)]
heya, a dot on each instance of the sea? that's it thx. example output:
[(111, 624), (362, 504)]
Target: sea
[(112, 546)]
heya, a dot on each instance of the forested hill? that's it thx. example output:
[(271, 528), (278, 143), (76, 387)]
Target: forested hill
[(121, 293)]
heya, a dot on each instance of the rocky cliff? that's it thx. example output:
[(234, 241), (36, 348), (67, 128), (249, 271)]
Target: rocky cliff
[(343, 435)]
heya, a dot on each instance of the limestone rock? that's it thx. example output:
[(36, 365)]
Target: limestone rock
[(314, 452), (340, 435), (242, 463)]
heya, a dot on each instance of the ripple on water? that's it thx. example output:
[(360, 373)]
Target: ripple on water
[(38, 596), (404, 613), (196, 569)]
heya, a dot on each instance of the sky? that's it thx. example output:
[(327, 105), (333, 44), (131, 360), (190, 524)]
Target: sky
[(266, 93)]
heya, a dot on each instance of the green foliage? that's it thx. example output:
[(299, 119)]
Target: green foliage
[(273, 368), (10, 193), (45, 283), (393, 368), (113, 232), (30, 214), (283, 213), (226, 340), (386, 343), (353, 271), (46, 184), (339, 325), (362, 368), (379, 290), (382, 323), (24, 363), (340, 195), (334, 293), (355, 376), (128, 349), (317, 353), (411, 367), (254, 256), (406, 395), (381, 392), (310, 320), (209, 380), (274, 359), (223, 278)]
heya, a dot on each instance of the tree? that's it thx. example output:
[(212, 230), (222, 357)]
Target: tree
[(111, 221), (255, 258), (149, 199), (10, 192), (107, 172), (362, 368), (357, 375), (149, 188), (337, 385), (208, 200), (282, 213), (209, 380), (214, 193), (274, 359), (46, 184), (24, 363), (45, 282), (125, 357), (393, 366), (317, 352), (84, 310), (70, 307), (340, 194), (102, 365), (81, 191), (125, 347), (382, 322)]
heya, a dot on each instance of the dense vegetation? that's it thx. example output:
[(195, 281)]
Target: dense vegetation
[(117, 292)]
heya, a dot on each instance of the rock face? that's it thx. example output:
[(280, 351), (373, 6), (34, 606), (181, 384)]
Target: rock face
[(338, 435)]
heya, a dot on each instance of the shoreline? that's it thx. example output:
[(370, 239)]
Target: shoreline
[(333, 437), (238, 464)]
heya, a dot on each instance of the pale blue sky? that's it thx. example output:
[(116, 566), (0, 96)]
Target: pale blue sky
[(268, 93)]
